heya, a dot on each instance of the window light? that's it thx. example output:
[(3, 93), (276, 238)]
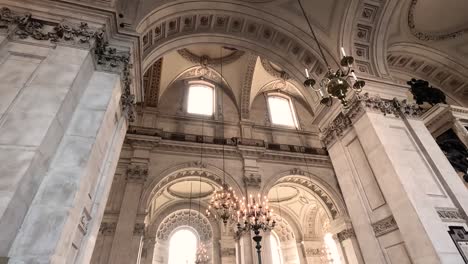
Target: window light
[(200, 100), (281, 111)]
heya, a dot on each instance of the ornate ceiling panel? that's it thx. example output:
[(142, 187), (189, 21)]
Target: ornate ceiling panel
[(152, 82), (451, 22)]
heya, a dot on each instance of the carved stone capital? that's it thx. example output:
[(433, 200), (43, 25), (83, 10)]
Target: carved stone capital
[(137, 173), (366, 103), (24, 26), (450, 215), (345, 234), (384, 226), (107, 229), (139, 229)]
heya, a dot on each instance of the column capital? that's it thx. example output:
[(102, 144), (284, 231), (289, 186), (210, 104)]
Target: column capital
[(137, 173), (367, 103), (345, 234), (139, 229)]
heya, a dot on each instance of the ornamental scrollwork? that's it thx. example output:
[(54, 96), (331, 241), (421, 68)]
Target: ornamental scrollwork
[(345, 234)]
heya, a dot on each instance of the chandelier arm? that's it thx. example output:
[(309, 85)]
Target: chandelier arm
[(313, 34)]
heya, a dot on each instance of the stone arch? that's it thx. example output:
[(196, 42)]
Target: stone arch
[(188, 169), (211, 75), (177, 25), (283, 230), (181, 218), (409, 60), (324, 193)]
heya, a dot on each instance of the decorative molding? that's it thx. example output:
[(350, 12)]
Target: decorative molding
[(428, 36), (23, 26), (297, 171), (384, 226), (274, 72), (450, 215), (316, 189), (190, 218), (346, 234), (137, 173), (139, 229), (247, 87), (453, 81), (107, 229), (314, 252), (366, 103), (283, 230), (252, 180), (210, 62), (228, 23), (152, 82)]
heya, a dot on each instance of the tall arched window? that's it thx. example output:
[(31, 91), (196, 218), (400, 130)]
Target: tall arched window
[(276, 257), (332, 249), (182, 247), (201, 99), (281, 110)]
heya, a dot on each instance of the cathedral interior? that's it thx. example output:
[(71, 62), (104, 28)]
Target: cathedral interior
[(233, 131)]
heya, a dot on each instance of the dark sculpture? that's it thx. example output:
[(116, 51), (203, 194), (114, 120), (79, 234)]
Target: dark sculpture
[(455, 151), (423, 92)]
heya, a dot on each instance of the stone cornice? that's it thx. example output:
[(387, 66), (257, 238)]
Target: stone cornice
[(366, 103)]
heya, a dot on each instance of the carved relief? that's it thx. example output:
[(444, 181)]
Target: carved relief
[(384, 226), (450, 215), (210, 62), (151, 83), (139, 229), (246, 87), (137, 173), (107, 229), (25, 26), (345, 234), (84, 221)]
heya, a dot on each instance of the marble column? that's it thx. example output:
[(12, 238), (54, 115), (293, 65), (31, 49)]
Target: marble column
[(396, 182), (127, 222)]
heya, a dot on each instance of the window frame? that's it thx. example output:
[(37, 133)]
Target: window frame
[(292, 109), (189, 84), (175, 231), (273, 235)]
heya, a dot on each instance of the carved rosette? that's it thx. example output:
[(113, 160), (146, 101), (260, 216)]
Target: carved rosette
[(384, 226), (137, 173), (345, 234)]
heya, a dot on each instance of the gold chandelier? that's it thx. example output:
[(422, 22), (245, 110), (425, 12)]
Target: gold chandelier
[(224, 203), (255, 216), (335, 83)]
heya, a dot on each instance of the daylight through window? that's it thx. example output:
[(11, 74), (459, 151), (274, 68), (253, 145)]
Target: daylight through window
[(182, 247), (275, 249), (200, 99), (281, 111)]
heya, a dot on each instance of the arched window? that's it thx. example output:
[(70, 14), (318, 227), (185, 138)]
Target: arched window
[(201, 99), (275, 249), (182, 247), (281, 110)]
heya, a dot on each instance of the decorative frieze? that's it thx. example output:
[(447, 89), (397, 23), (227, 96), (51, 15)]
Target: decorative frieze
[(137, 173), (84, 221), (314, 252), (384, 226), (23, 26), (107, 229), (450, 215), (346, 234), (139, 229)]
